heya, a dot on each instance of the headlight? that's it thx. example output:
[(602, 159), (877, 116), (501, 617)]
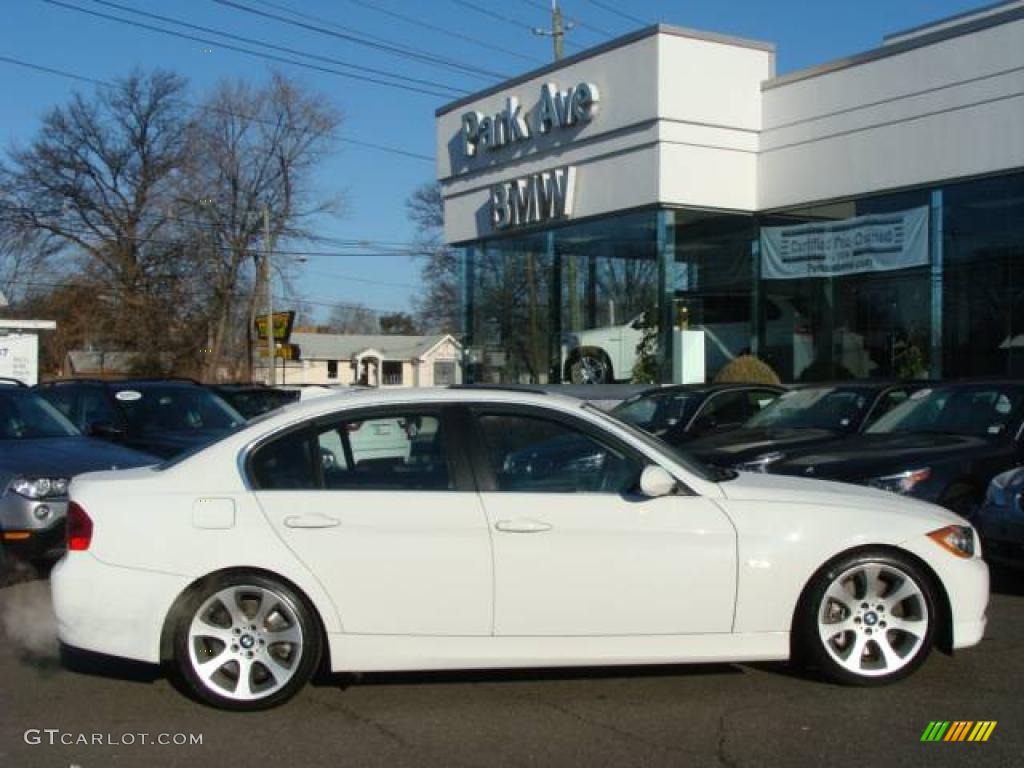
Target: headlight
[(955, 539), (997, 488), (902, 483), (760, 463), (40, 487)]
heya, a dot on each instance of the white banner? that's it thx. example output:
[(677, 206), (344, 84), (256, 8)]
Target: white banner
[(19, 358), (878, 242)]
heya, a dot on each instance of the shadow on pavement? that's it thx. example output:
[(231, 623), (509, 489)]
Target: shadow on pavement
[(346, 680), (99, 665)]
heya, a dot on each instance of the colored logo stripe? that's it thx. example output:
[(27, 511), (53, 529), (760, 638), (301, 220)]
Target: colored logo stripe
[(958, 730)]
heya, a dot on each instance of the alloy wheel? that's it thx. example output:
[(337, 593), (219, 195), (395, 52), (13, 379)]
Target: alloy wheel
[(873, 619), (245, 642)]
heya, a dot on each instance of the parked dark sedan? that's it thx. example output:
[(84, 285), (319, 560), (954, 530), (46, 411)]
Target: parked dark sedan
[(1000, 521), (163, 417), (944, 445), (40, 451), (252, 400), (803, 417), (679, 414)]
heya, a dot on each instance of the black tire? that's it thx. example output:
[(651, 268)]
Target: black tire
[(589, 366), (258, 650), (962, 499), (829, 648)]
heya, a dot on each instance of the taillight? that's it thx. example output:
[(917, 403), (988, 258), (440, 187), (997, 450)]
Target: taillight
[(79, 530)]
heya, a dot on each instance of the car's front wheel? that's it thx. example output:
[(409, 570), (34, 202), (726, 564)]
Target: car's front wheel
[(245, 642), (868, 619)]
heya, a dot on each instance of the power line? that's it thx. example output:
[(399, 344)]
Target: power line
[(285, 49), (209, 108), (491, 47), (256, 54), (320, 302), (180, 244), (493, 14), (373, 41), (621, 14)]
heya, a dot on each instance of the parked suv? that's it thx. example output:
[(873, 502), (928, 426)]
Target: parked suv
[(164, 417), (40, 451)]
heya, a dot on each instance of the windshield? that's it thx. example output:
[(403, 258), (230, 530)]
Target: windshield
[(701, 470), (152, 409), (839, 409), (658, 413), (23, 414), (989, 410)]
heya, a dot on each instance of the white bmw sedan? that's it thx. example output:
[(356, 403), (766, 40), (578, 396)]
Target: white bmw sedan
[(475, 528)]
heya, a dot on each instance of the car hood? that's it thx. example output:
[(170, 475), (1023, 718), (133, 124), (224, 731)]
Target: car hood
[(739, 445), (66, 457), (753, 486), (876, 455)]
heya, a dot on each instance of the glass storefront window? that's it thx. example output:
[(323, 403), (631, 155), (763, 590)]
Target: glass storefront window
[(983, 278), (571, 304)]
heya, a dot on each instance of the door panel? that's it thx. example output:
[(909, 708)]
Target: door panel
[(376, 506), (395, 562), (577, 551), (606, 565)]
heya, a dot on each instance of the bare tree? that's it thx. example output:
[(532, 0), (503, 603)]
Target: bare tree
[(96, 185), (253, 148), (438, 307), (353, 318)]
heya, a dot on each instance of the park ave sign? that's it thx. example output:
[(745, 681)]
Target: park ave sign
[(556, 110), (543, 196)]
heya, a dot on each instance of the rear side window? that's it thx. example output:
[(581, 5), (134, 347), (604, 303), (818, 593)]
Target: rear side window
[(285, 464), (393, 452)]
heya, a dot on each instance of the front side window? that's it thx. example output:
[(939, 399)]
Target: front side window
[(532, 454)]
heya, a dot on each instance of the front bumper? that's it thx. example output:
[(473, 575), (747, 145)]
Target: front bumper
[(966, 582), (112, 610), (32, 530)]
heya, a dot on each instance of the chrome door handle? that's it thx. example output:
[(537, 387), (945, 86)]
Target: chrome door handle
[(311, 521), (522, 526)]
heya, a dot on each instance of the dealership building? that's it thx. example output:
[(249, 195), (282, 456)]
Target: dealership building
[(665, 202)]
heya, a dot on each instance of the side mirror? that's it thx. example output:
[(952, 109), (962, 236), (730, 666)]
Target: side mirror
[(656, 482), (106, 431)]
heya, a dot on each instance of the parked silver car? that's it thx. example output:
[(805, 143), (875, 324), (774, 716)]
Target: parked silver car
[(40, 451)]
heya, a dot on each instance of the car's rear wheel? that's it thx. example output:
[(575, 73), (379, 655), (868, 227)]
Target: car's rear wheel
[(245, 642), (868, 619), (590, 366)]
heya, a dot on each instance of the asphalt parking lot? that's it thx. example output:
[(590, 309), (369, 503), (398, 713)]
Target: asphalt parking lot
[(680, 716)]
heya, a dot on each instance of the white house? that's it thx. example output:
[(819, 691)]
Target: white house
[(374, 360)]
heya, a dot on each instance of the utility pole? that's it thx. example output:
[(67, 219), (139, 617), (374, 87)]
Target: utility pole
[(271, 343), (557, 32)]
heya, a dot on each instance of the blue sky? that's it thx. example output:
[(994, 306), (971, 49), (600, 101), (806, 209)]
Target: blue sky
[(495, 39)]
